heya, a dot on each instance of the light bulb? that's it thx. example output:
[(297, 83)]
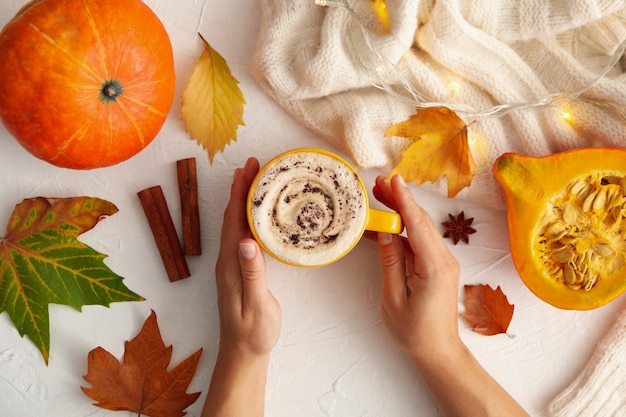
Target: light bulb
[(453, 86), (565, 114)]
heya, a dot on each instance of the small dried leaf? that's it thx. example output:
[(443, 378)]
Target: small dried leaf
[(441, 149), (213, 104), (487, 311), (142, 384)]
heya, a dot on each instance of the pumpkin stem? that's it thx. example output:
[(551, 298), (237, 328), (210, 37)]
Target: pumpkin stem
[(111, 90)]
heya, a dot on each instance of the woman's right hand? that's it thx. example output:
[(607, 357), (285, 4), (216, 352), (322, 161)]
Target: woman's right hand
[(420, 277), (420, 309)]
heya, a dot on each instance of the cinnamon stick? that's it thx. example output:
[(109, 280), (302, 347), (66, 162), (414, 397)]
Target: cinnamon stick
[(165, 236), (188, 190)]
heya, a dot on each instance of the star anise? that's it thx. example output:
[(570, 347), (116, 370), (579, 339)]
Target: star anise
[(458, 228)]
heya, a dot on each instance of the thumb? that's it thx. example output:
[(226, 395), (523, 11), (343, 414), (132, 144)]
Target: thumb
[(252, 265)]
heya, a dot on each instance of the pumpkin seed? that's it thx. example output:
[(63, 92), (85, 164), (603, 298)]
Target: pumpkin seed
[(591, 282), (584, 191), (613, 196), (568, 274), (556, 231), (567, 240), (574, 287), (564, 255), (599, 202), (570, 213), (604, 250), (588, 203), (577, 186)]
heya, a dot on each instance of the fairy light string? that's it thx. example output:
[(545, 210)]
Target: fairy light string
[(380, 68)]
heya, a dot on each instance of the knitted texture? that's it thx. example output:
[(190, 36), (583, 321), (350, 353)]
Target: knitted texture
[(322, 64), (600, 389)]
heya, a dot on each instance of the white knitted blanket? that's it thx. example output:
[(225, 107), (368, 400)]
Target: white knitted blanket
[(322, 64), (600, 389)]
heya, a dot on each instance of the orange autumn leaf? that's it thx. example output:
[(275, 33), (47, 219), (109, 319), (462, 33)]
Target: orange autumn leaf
[(441, 149), (487, 311), (142, 384)]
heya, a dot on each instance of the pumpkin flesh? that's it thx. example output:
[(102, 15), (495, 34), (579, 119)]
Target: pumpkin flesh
[(566, 224), (58, 61)]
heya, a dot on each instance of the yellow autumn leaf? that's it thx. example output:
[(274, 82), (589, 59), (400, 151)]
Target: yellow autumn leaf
[(441, 149), (212, 107)]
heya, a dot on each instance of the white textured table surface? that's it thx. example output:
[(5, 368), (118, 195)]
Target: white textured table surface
[(334, 356)]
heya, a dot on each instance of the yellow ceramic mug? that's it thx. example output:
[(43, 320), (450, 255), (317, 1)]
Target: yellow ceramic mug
[(308, 207)]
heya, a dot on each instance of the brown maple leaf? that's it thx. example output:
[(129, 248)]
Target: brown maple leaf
[(458, 228), (440, 149), (142, 384), (487, 311)]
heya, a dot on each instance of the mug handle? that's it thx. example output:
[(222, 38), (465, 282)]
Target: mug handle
[(383, 221)]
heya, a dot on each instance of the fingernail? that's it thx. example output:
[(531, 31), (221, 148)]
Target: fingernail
[(250, 162), (247, 250), (385, 239)]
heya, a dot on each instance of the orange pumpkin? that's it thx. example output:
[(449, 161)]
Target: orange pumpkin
[(85, 83)]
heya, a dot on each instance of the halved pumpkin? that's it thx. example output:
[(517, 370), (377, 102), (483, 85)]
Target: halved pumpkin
[(567, 224)]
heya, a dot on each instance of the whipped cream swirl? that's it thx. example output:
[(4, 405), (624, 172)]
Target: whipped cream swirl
[(308, 208)]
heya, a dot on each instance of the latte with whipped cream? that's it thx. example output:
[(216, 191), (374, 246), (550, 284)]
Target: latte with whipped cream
[(307, 208)]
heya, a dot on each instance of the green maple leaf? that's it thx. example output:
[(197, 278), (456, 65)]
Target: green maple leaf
[(42, 262)]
